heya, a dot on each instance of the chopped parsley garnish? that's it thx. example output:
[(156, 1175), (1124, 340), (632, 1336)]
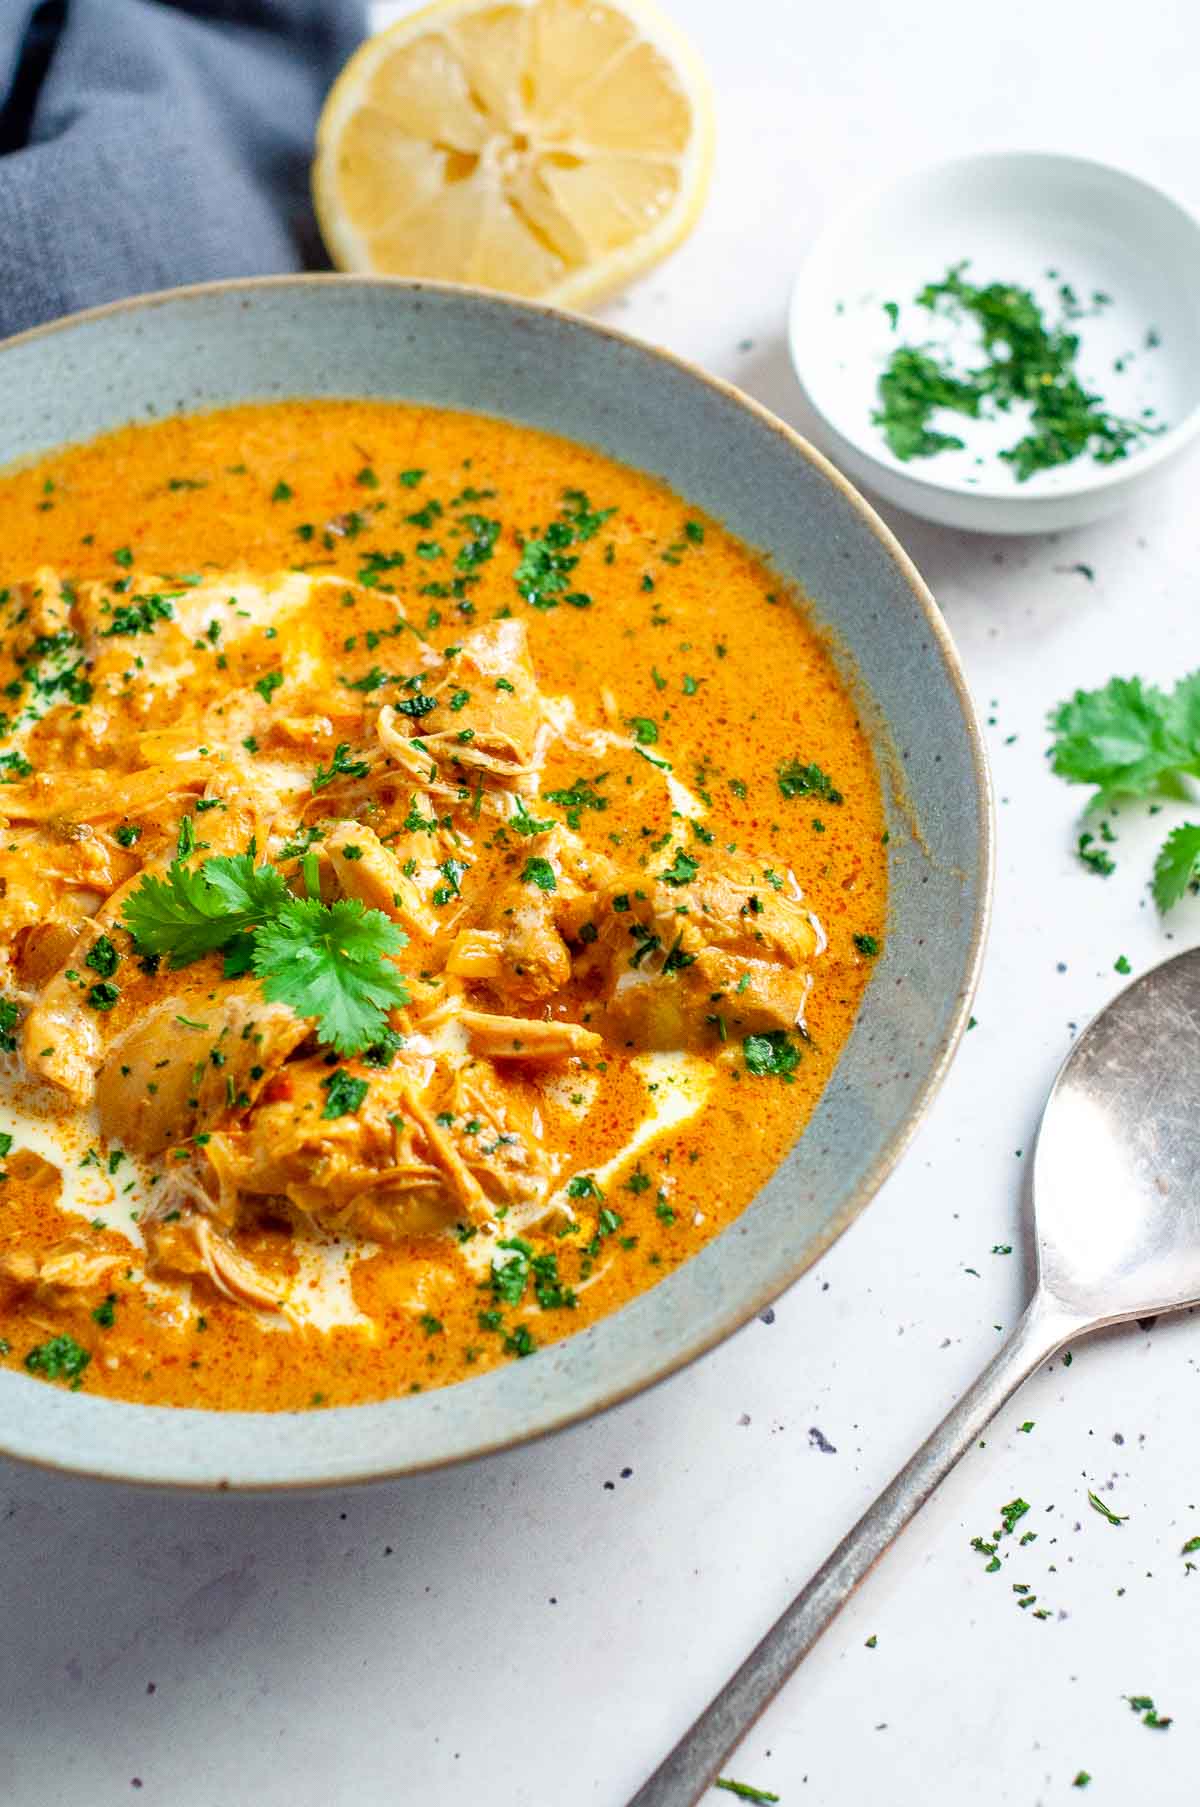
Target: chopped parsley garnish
[(545, 564), (682, 869), (282, 492), (1094, 856), (1097, 1505), (103, 996), (743, 1790), (480, 544), (268, 684), (452, 871), (1024, 360), (141, 616), (375, 565), (103, 957), (539, 872), (1143, 1705), (341, 766), (343, 1093), (799, 780), (867, 945), (416, 706), (521, 822), (104, 1314), (774, 1053), (581, 795), (331, 962), (62, 1358), (510, 1277), (9, 1016)]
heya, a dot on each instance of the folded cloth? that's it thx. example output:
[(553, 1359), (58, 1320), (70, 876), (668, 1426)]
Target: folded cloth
[(145, 143)]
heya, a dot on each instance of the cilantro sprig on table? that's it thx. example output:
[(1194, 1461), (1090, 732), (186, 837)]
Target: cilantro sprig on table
[(1131, 739), (330, 962)]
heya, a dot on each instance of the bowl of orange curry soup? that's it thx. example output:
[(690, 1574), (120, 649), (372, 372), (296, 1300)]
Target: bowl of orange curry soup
[(496, 856)]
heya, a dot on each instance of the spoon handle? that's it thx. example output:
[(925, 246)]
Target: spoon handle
[(692, 1766)]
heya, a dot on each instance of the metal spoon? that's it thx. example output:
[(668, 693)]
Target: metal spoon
[(1115, 1185)]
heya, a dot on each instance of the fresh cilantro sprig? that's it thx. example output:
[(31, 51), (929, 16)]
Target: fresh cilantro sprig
[(1131, 739), (330, 962)]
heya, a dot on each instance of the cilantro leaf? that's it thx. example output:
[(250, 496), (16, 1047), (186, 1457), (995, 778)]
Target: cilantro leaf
[(1177, 866), (330, 961), (326, 961), (189, 914), (1127, 737), (243, 886), (1133, 739)]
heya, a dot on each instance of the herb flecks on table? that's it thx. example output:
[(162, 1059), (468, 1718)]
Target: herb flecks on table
[(1025, 360)]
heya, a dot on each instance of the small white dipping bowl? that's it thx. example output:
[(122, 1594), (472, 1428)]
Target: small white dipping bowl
[(1038, 221)]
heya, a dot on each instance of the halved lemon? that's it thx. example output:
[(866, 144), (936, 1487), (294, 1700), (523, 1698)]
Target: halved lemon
[(551, 148)]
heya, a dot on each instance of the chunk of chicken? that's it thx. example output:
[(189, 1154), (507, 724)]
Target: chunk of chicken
[(44, 606), (681, 959), (191, 1060), (384, 1169), (494, 733), (404, 1161), (97, 797), (519, 951), (522, 955), (367, 870)]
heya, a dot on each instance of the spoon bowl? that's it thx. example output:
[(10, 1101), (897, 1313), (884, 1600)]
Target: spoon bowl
[(1116, 1171)]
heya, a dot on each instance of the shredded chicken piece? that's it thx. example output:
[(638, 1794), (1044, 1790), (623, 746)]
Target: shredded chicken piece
[(373, 875), (464, 1187), (71, 1266), (525, 1038), (495, 734), (46, 603), (98, 797), (741, 951), (194, 1246)]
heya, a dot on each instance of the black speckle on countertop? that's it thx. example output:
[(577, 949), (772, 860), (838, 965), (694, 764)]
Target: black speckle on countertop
[(767, 1316), (820, 1441)]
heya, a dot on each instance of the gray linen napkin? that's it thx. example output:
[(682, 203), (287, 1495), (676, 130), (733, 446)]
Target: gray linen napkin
[(145, 143)]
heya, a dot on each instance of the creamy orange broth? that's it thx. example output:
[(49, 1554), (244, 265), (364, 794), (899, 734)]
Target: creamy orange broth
[(681, 653)]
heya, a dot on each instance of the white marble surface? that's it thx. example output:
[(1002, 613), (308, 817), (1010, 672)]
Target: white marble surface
[(535, 1631)]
